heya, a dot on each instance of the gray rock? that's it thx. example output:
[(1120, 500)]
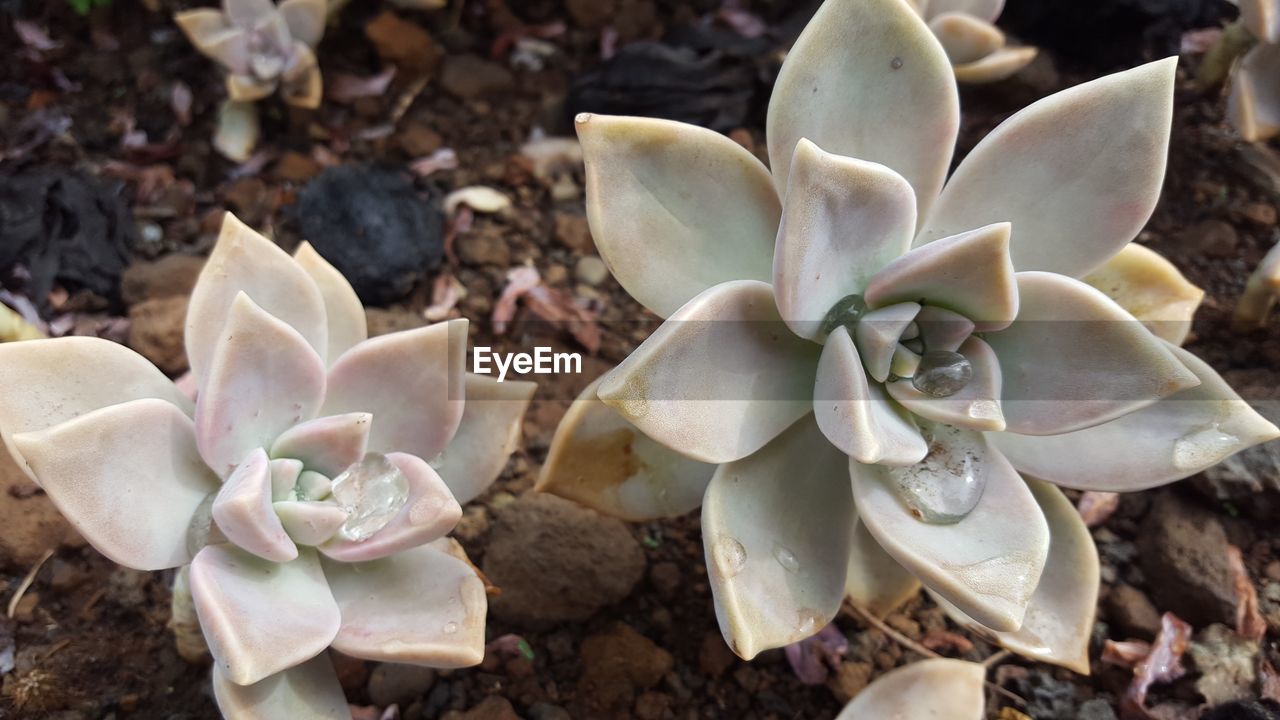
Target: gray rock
[(469, 76), (1096, 709), (1227, 664), (1183, 551)]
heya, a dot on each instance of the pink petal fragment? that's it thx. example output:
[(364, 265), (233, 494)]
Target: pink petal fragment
[(429, 608), (412, 383), (127, 476), (327, 445), (309, 691), (430, 513), (244, 514), (261, 617), (1162, 665), (263, 379)]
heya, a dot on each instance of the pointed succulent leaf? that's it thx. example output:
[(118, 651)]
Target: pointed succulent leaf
[(310, 690), (244, 514), (875, 581), (486, 437), (1059, 620), (1077, 173), (248, 13), (1254, 103), (777, 531), (877, 334), (975, 407), (347, 323), (284, 477), (718, 380), (1262, 18), (244, 261), (210, 33), (245, 88), (260, 617), (1074, 358), (674, 208), (262, 379), (866, 79), (965, 38), (942, 329), (48, 382), (970, 273), (937, 688), (429, 513), (235, 137), (127, 476), (310, 523), (428, 608), (600, 460), (327, 445), (302, 84), (987, 10), (997, 66), (305, 19), (843, 219), (411, 381), (855, 415), (1174, 438), (987, 564), (1151, 289)]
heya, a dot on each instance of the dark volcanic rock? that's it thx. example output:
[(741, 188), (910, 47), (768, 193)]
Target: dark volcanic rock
[(374, 227), (1183, 551)]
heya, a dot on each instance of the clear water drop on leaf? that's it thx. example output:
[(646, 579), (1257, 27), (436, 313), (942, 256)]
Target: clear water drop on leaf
[(942, 373), (372, 491), (945, 486), (450, 628), (729, 556), (201, 526), (846, 311), (786, 559)]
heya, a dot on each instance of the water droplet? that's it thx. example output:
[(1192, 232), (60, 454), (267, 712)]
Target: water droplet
[(450, 628), (372, 491), (201, 525), (729, 556), (945, 486), (942, 373), (786, 559), (845, 312), (1203, 447), (896, 63), (807, 622)]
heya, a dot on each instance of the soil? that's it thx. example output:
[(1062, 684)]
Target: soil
[(91, 639)]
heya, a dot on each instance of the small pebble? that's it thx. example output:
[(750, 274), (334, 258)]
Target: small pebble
[(591, 270)]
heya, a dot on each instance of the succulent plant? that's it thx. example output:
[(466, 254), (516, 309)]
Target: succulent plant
[(263, 47), (939, 688), (974, 45), (1254, 102), (871, 380), (309, 487)]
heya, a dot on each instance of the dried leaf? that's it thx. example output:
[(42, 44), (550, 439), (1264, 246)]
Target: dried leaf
[(346, 88), (939, 640), (746, 24), (813, 658), (1095, 507), (442, 159), (520, 280), (1250, 624), (180, 99), (547, 304), (34, 36), (1162, 665), (446, 291)]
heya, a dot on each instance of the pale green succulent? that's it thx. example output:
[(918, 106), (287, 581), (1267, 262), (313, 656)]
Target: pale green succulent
[(872, 379), (975, 46)]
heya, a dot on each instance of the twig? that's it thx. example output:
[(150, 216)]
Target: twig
[(916, 647), (406, 99), (26, 583)]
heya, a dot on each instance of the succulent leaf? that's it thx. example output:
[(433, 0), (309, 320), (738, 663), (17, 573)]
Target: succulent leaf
[(866, 79), (843, 219), (937, 688), (1151, 289), (1174, 438), (877, 333), (305, 19), (987, 564), (997, 66), (127, 476), (308, 522), (1262, 18), (875, 581), (244, 513), (600, 460), (429, 608), (1254, 102), (1074, 358), (1077, 173), (310, 690), (248, 13), (965, 38), (675, 209), (975, 407), (487, 435), (347, 324), (777, 531), (327, 445), (987, 10), (720, 379)]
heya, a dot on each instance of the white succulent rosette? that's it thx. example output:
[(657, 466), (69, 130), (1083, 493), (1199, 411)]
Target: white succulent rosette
[(309, 487), (1254, 101), (871, 379), (973, 43)]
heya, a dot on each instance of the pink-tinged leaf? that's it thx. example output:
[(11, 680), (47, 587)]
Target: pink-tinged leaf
[(347, 323), (867, 80), (843, 219), (248, 13), (424, 606), (997, 66), (284, 476), (428, 514), (1163, 664), (244, 261), (1074, 359), (412, 383), (305, 19), (1095, 507), (263, 379), (969, 273), (308, 691), (259, 617), (127, 476), (1124, 654), (674, 208), (812, 659), (975, 407), (244, 514), (48, 382), (1250, 624), (309, 523), (486, 437), (327, 445), (718, 380), (1077, 173)]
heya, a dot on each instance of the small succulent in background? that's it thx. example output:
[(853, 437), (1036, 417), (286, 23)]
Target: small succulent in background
[(307, 491), (974, 45), (264, 48), (871, 376), (1260, 293), (1247, 55)]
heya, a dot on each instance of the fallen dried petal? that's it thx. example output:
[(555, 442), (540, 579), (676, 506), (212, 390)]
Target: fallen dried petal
[(1162, 665), (813, 658), (1095, 507), (939, 640), (347, 88), (1250, 624), (446, 291)]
